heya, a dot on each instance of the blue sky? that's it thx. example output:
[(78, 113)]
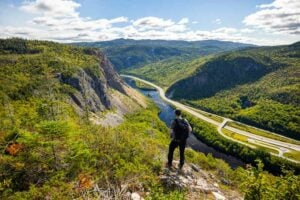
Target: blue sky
[(204, 11), (263, 22)]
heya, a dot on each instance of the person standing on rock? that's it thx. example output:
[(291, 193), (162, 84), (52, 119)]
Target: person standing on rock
[(180, 130)]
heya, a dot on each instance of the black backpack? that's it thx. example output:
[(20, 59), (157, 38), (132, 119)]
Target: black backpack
[(181, 129)]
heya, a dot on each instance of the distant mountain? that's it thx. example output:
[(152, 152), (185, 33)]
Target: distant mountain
[(169, 43), (126, 53), (259, 86), (168, 71)]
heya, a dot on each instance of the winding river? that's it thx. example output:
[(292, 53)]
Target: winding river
[(167, 115)]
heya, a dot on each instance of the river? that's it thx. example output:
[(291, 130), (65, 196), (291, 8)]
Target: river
[(167, 115)]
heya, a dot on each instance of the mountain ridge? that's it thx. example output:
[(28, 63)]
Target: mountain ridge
[(159, 42), (127, 53)]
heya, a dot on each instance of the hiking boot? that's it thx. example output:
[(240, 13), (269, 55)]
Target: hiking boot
[(169, 166), (179, 169), (180, 166)]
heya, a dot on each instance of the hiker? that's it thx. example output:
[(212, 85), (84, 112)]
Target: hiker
[(180, 129)]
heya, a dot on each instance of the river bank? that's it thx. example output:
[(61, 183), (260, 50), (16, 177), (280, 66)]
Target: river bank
[(167, 115)]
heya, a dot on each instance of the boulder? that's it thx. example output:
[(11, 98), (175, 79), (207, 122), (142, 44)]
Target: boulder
[(195, 167), (135, 196)]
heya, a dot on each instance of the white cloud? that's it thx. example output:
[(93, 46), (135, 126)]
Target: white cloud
[(153, 22), (281, 16), (57, 8), (226, 30), (184, 21), (156, 23), (217, 21), (59, 20), (119, 20), (247, 30), (176, 28)]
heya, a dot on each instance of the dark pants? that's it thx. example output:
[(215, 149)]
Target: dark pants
[(172, 147)]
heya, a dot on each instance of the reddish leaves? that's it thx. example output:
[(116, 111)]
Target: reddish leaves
[(14, 148), (85, 181)]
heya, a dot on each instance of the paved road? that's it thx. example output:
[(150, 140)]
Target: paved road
[(280, 146)]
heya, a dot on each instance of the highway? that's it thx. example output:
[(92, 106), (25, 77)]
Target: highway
[(280, 146)]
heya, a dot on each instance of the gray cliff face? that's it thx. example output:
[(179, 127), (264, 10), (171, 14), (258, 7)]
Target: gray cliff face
[(112, 78), (92, 92)]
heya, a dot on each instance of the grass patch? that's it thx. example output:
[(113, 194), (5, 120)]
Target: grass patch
[(262, 133), (235, 135), (295, 155), (270, 150), (143, 86), (245, 139), (212, 116)]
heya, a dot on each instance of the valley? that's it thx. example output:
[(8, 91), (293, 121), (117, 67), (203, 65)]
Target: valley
[(237, 81), (281, 147), (258, 86), (167, 115)]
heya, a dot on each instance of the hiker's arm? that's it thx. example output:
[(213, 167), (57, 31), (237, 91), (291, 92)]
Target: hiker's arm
[(171, 133), (190, 127), (172, 129)]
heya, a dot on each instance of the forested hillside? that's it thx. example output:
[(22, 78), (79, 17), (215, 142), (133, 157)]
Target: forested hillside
[(131, 54), (168, 71), (45, 72), (49, 95), (259, 86)]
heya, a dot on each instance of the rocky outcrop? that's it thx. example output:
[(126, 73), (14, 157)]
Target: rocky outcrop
[(92, 91), (199, 184), (112, 78), (195, 182), (100, 90)]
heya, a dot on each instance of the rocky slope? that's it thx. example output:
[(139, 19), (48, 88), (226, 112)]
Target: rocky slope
[(196, 182), (109, 92), (80, 76), (199, 183)]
